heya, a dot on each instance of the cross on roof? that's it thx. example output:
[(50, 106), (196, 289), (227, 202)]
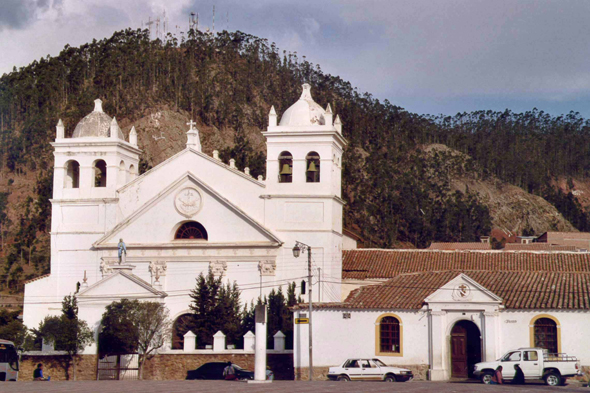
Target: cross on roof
[(191, 124)]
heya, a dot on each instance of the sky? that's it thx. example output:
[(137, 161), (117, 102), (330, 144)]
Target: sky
[(427, 56)]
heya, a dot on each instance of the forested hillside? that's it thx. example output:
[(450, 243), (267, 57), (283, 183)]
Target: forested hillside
[(227, 83)]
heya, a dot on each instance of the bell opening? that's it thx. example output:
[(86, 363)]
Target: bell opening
[(312, 173), (285, 167)]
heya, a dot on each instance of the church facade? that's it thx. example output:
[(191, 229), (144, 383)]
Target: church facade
[(121, 235)]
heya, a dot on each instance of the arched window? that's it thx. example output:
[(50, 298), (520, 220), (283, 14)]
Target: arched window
[(132, 172), (388, 336), (191, 230), (122, 175), (546, 334), (285, 167), (100, 174), (181, 326), (312, 173), (72, 175)]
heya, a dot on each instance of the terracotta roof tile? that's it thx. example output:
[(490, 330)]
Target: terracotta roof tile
[(538, 247), (460, 246), (518, 290), (373, 263), (37, 278)]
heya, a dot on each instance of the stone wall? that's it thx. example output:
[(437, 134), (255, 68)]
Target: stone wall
[(58, 367), (160, 367), (420, 372), (163, 366), (175, 366)]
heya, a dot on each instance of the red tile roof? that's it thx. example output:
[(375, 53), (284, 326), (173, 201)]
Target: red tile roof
[(37, 278), (518, 290), (460, 246), (538, 247), (373, 263)]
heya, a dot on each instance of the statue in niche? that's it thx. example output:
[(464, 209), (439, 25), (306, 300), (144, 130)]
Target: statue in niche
[(122, 250)]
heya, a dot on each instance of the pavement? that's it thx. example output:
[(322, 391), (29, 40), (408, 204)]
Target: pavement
[(275, 386)]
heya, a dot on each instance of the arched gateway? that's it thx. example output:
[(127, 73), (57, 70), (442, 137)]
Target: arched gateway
[(465, 348)]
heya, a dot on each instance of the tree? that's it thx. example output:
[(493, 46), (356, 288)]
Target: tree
[(11, 328), (215, 307), (131, 326), (67, 332), (118, 334), (153, 329)]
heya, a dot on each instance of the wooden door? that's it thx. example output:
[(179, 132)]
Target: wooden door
[(459, 352)]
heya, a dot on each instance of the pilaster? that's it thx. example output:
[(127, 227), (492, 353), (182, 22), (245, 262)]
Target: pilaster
[(437, 345), (490, 339)]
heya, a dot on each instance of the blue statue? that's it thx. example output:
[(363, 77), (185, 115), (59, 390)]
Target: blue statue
[(122, 249)]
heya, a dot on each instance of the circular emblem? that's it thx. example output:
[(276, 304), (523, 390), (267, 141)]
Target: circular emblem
[(188, 202), (462, 292)]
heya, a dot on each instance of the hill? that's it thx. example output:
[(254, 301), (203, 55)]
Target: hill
[(227, 83)]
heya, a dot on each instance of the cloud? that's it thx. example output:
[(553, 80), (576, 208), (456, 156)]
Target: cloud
[(17, 14), (427, 56)]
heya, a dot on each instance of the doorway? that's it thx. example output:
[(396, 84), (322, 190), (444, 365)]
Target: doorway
[(465, 349)]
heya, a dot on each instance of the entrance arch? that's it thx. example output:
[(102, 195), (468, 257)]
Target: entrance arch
[(465, 348)]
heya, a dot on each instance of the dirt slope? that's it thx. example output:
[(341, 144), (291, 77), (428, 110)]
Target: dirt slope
[(511, 207)]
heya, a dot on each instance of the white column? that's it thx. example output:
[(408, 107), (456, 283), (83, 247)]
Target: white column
[(249, 341), (86, 178), (260, 356), (47, 346), (491, 320), (190, 341), (437, 345), (218, 341), (279, 339)]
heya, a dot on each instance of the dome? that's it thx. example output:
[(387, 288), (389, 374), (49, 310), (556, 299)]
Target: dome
[(305, 112), (96, 124)]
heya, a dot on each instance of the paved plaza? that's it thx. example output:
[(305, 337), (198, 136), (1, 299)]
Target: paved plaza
[(276, 386)]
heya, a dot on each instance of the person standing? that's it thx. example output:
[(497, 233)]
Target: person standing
[(229, 372), (497, 377)]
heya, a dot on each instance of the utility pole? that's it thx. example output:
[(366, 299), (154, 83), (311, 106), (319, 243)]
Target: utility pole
[(296, 252)]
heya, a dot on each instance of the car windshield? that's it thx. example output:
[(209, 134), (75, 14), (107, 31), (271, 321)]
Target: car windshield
[(379, 363)]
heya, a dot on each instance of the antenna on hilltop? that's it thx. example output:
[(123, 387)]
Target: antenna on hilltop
[(213, 30), (149, 24), (193, 21)]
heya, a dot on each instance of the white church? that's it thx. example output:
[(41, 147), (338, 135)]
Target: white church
[(148, 237), (189, 215)]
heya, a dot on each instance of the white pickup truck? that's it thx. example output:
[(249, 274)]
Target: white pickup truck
[(536, 363)]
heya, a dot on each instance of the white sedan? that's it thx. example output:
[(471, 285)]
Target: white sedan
[(370, 370)]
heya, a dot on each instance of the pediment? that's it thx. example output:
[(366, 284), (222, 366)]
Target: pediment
[(462, 289), (121, 285), (189, 199)]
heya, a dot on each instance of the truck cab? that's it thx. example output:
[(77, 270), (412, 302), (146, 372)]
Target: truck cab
[(536, 363)]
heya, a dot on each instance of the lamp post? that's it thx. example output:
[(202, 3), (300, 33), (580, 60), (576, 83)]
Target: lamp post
[(296, 252)]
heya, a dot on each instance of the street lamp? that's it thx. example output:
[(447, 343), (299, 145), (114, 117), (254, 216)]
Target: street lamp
[(296, 252)]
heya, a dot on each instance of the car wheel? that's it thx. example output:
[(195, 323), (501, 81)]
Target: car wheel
[(486, 378), (343, 378), (390, 378), (553, 379)]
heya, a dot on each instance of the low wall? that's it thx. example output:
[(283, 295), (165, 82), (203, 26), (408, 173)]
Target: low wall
[(58, 367), (160, 367)]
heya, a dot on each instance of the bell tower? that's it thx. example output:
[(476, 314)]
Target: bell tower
[(303, 185), (88, 170)]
